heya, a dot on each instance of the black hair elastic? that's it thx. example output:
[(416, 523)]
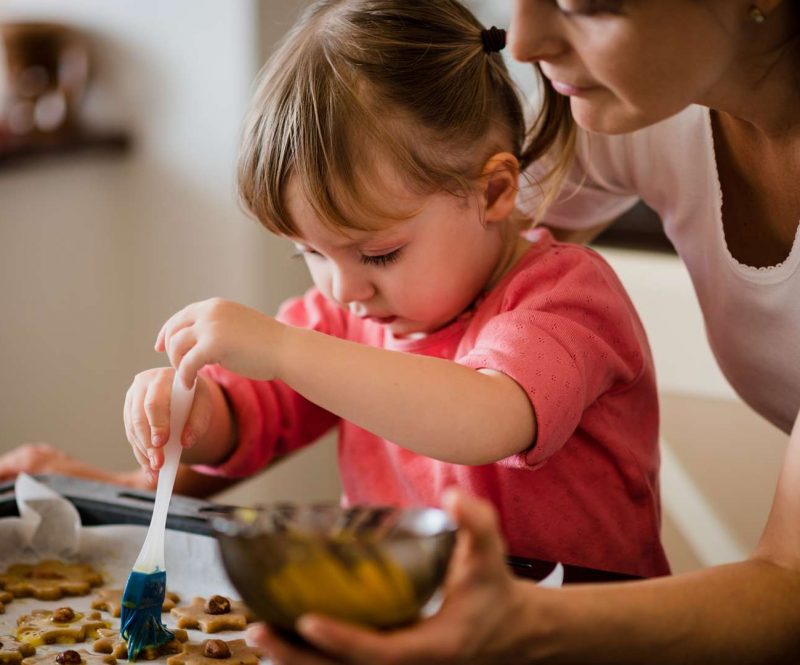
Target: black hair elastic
[(494, 39)]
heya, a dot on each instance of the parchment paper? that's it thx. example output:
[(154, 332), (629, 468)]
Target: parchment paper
[(49, 527)]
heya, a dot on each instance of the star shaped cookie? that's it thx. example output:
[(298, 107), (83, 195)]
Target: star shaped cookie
[(111, 642), (63, 626), (12, 652), (50, 580), (110, 600), (216, 652), (213, 615), (5, 598), (70, 657)]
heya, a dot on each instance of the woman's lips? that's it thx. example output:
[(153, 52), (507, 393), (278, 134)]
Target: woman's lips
[(568, 89), (383, 320)]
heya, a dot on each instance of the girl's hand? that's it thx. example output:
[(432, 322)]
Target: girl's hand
[(239, 338), (474, 625), (146, 416)]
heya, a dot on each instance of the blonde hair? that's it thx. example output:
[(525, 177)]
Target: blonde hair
[(356, 80), (552, 138)]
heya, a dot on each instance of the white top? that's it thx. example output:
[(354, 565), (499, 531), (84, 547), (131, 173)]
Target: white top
[(752, 315)]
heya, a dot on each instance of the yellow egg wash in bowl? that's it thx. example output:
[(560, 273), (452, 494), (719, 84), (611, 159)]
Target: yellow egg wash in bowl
[(374, 566)]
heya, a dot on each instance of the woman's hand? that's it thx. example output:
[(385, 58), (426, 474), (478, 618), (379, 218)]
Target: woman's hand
[(239, 338), (44, 458), (476, 623), (208, 428)]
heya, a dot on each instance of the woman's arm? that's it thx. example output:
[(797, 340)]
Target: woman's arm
[(43, 458), (747, 612)]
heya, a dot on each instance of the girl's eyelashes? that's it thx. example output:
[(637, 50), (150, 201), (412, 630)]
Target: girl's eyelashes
[(367, 259), (381, 259)]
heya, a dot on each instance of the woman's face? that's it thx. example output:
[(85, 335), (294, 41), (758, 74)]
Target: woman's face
[(626, 64)]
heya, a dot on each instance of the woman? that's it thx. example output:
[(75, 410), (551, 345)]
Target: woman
[(694, 106)]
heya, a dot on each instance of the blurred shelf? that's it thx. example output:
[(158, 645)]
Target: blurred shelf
[(14, 153)]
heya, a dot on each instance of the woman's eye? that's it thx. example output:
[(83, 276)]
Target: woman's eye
[(381, 259)]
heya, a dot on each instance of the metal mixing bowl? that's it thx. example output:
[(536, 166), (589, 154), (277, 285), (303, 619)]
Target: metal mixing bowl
[(374, 566)]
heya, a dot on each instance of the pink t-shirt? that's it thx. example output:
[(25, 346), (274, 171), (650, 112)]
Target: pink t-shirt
[(560, 324)]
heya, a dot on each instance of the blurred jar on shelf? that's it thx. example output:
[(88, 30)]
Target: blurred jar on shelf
[(45, 73)]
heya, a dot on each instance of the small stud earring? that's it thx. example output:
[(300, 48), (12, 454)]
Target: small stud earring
[(756, 15)]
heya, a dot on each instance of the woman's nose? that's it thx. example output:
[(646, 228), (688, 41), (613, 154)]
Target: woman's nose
[(350, 285), (534, 33)]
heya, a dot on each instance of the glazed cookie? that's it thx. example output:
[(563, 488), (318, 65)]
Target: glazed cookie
[(111, 642), (12, 652), (50, 580), (61, 626), (110, 600), (215, 614), (5, 597), (216, 652), (70, 657)]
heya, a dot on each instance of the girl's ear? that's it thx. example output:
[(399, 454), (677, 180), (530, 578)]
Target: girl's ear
[(500, 180)]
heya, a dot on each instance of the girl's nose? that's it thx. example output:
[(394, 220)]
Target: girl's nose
[(534, 33), (349, 285)]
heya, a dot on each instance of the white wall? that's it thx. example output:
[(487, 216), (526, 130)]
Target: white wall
[(97, 251)]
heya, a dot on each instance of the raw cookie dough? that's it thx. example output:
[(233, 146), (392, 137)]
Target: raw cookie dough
[(110, 600), (111, 642), (216, 652), (50, 580), (70, 657), (12, 652), (215, 614), (5, 597), (61, 626)]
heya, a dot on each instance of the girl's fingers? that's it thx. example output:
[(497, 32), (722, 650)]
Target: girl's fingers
[(139, 435), (178, 345), (156, 407), (173, 324), (192, 362), (141, 458)]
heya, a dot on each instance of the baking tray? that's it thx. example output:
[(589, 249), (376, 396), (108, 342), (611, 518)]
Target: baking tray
[(103, 503)]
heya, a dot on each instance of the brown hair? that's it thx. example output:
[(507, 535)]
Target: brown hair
[(356, 79), (552, 138)]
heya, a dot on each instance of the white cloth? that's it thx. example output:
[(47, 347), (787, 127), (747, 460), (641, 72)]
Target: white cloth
[(752, 315)]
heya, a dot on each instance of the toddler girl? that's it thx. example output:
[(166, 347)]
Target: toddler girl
[(447, 348)]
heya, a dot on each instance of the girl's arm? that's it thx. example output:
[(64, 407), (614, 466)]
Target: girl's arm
[(429, 405)]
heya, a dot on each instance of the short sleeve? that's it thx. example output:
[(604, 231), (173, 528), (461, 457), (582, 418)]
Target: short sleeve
[(566, 340)]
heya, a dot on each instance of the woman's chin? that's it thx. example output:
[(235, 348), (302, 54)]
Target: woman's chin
[(613, 117)]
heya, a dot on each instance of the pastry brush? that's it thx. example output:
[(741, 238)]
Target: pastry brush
[(140, 621)]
